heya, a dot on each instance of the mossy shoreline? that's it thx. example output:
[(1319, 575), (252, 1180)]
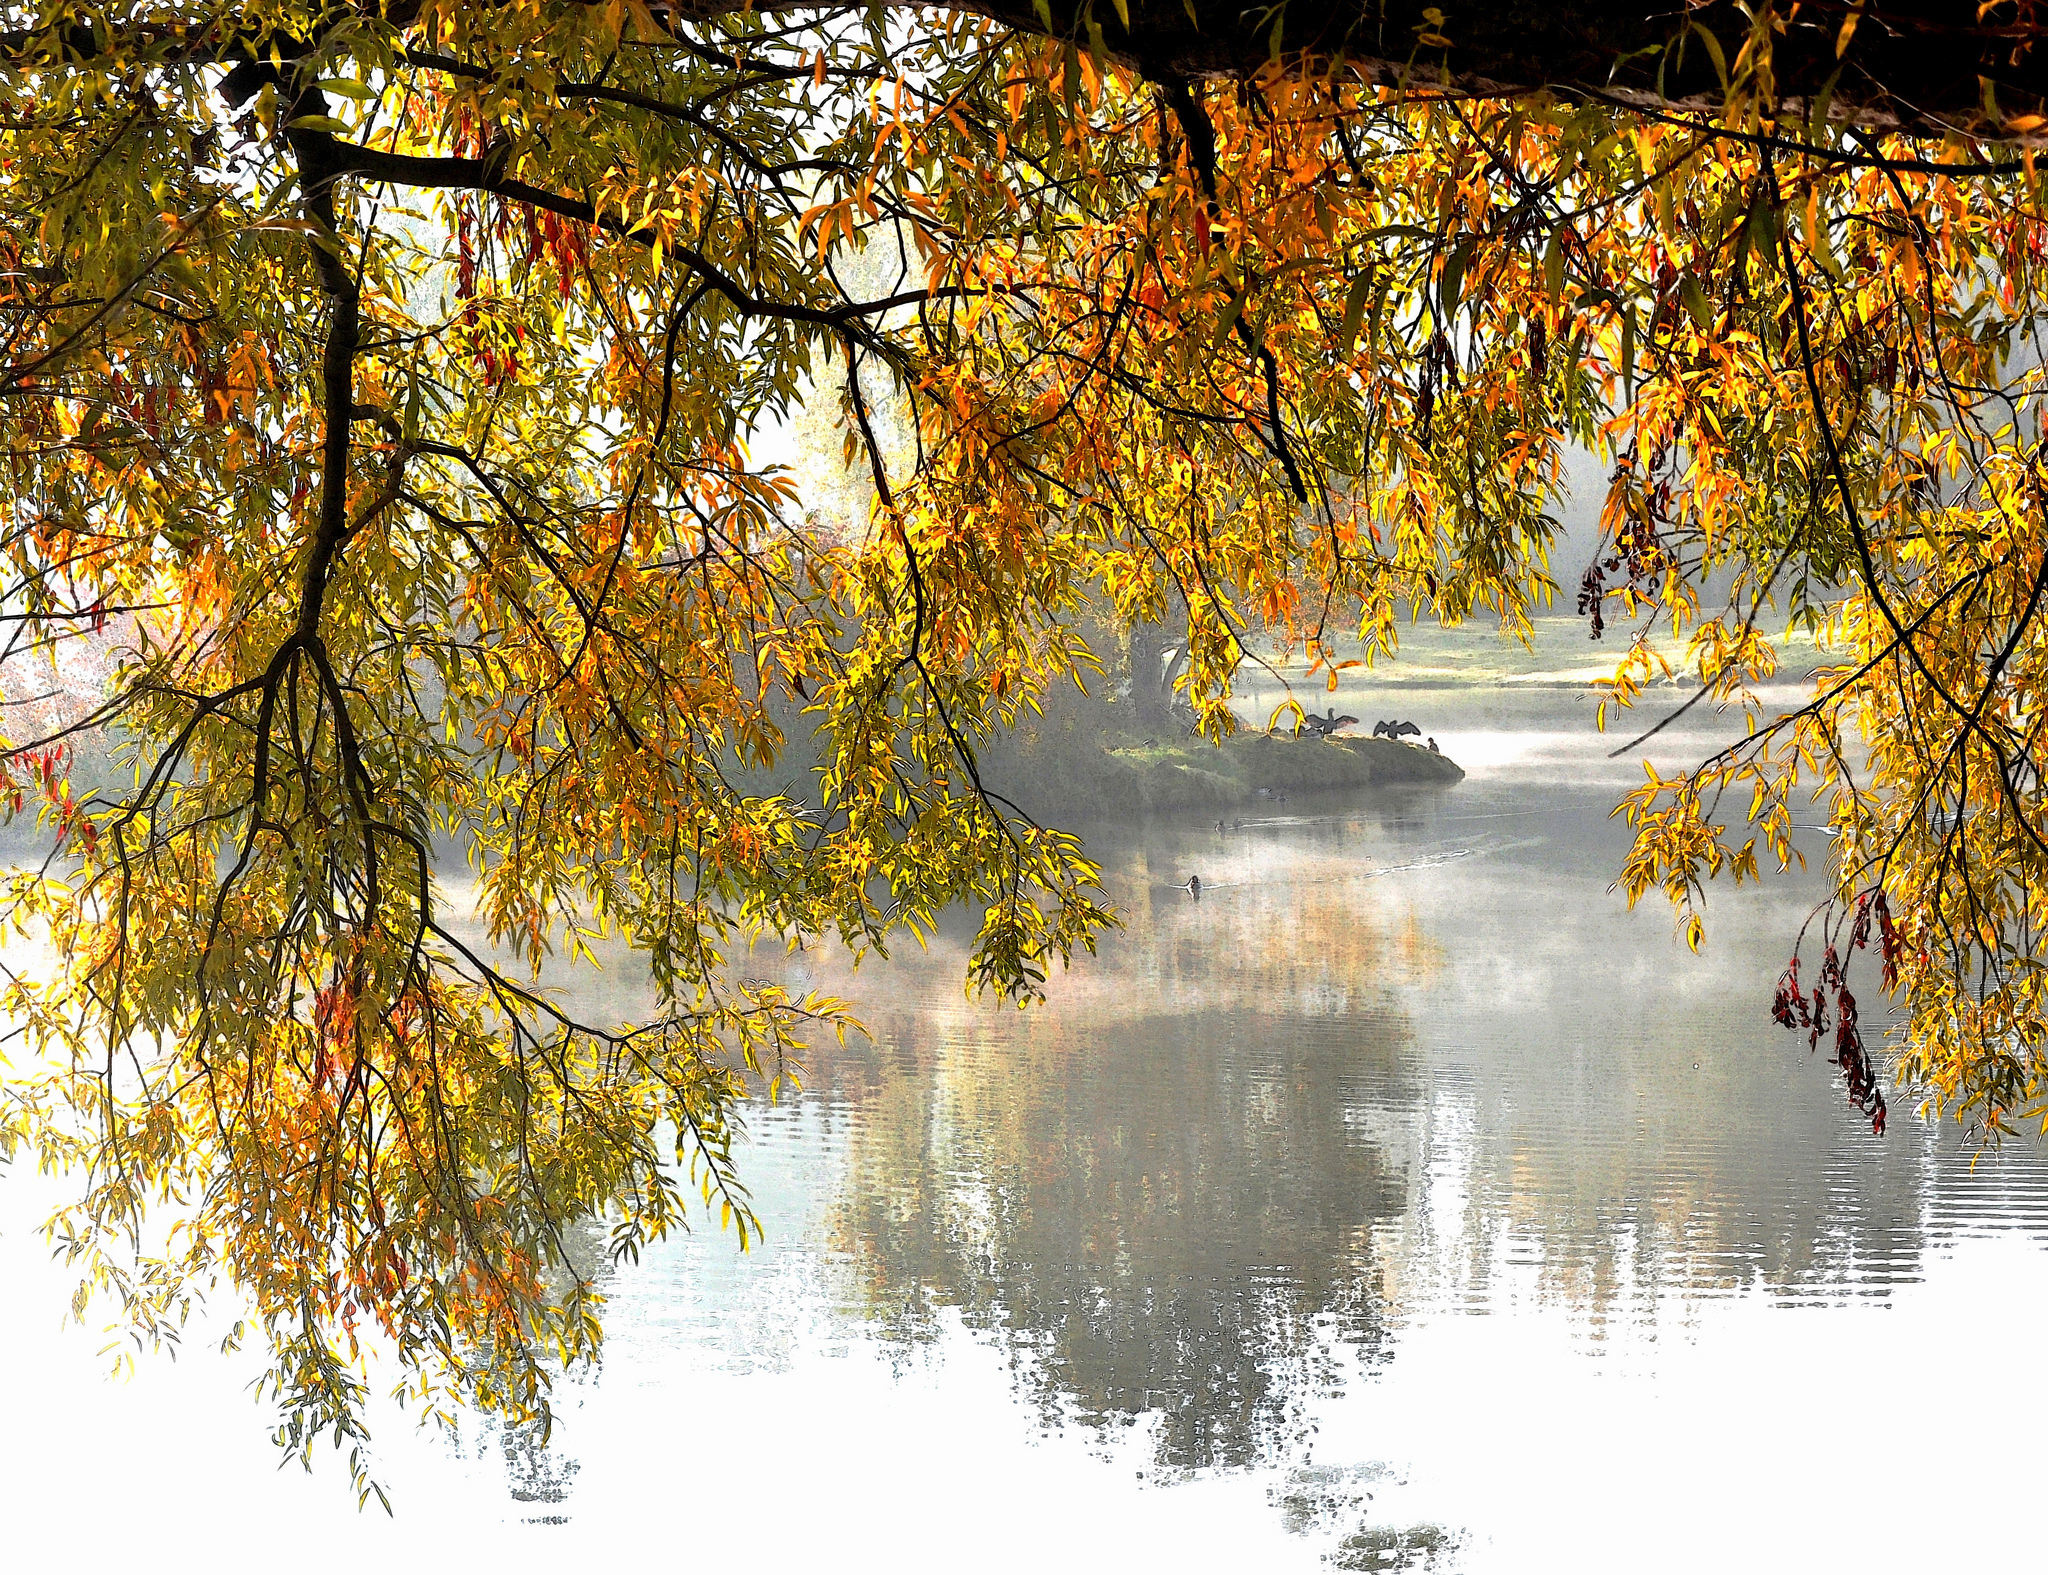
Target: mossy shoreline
[(1141, 777)]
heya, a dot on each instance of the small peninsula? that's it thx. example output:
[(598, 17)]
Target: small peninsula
[(1245, 770)]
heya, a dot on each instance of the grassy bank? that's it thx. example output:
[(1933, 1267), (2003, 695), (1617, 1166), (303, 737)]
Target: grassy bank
[(1116, 779)]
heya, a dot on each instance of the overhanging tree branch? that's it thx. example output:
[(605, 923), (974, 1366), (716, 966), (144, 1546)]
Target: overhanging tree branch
[(1930, 67)]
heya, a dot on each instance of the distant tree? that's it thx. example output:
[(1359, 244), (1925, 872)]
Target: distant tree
[(1155, 660), (390, 371)]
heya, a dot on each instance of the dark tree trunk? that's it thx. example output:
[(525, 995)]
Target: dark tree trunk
[(1926, 66), (1916, 65)]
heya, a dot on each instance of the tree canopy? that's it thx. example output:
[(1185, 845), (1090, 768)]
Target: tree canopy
[(380, 385)]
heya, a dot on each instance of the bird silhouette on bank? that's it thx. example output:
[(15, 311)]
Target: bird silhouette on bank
[(1326, 724)]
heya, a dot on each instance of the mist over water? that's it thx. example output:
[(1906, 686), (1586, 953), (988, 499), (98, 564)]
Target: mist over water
[(1264, 1194), (1403, 1202)]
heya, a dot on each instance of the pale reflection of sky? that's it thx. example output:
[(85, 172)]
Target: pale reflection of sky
[(1749, 1438), (1633, 1290)]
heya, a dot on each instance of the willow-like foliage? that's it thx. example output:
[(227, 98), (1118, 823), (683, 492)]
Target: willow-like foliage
[(378, 384)]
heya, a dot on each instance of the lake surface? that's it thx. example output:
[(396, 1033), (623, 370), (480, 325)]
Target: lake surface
[(1402, 1203)]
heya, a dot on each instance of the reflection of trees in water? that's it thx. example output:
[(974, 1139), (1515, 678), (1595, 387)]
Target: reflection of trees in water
[(1167, 1215), (1179, 1228), (1798, 1204), (1636, 1130), (1218, 1151), (1599, 1107), (1611, 1123), (537, 1471)]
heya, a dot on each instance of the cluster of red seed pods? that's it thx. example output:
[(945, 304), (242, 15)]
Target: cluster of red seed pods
[(1794, 1008)]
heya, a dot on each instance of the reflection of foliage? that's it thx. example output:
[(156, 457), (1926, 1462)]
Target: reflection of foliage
[(538, 1473), (1320, 1499), (1170, 1236), (1316, 1497), (1397, 1548), (1616, 1130), (1167, 1215), (1549, 1115)]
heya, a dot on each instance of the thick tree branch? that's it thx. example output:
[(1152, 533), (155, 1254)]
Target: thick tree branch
[(1923, 66), (319, 168), (486, 175)]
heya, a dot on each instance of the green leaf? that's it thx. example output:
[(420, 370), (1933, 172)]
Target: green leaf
[(1714, 51), (412, 406), (1763, 228), (1817, 112), (1452, 284), (1695, 300), (1354, 310), (1821, 244), (1228, 320)]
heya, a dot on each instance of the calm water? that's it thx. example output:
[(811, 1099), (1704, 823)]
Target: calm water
[(1403, 1203)]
